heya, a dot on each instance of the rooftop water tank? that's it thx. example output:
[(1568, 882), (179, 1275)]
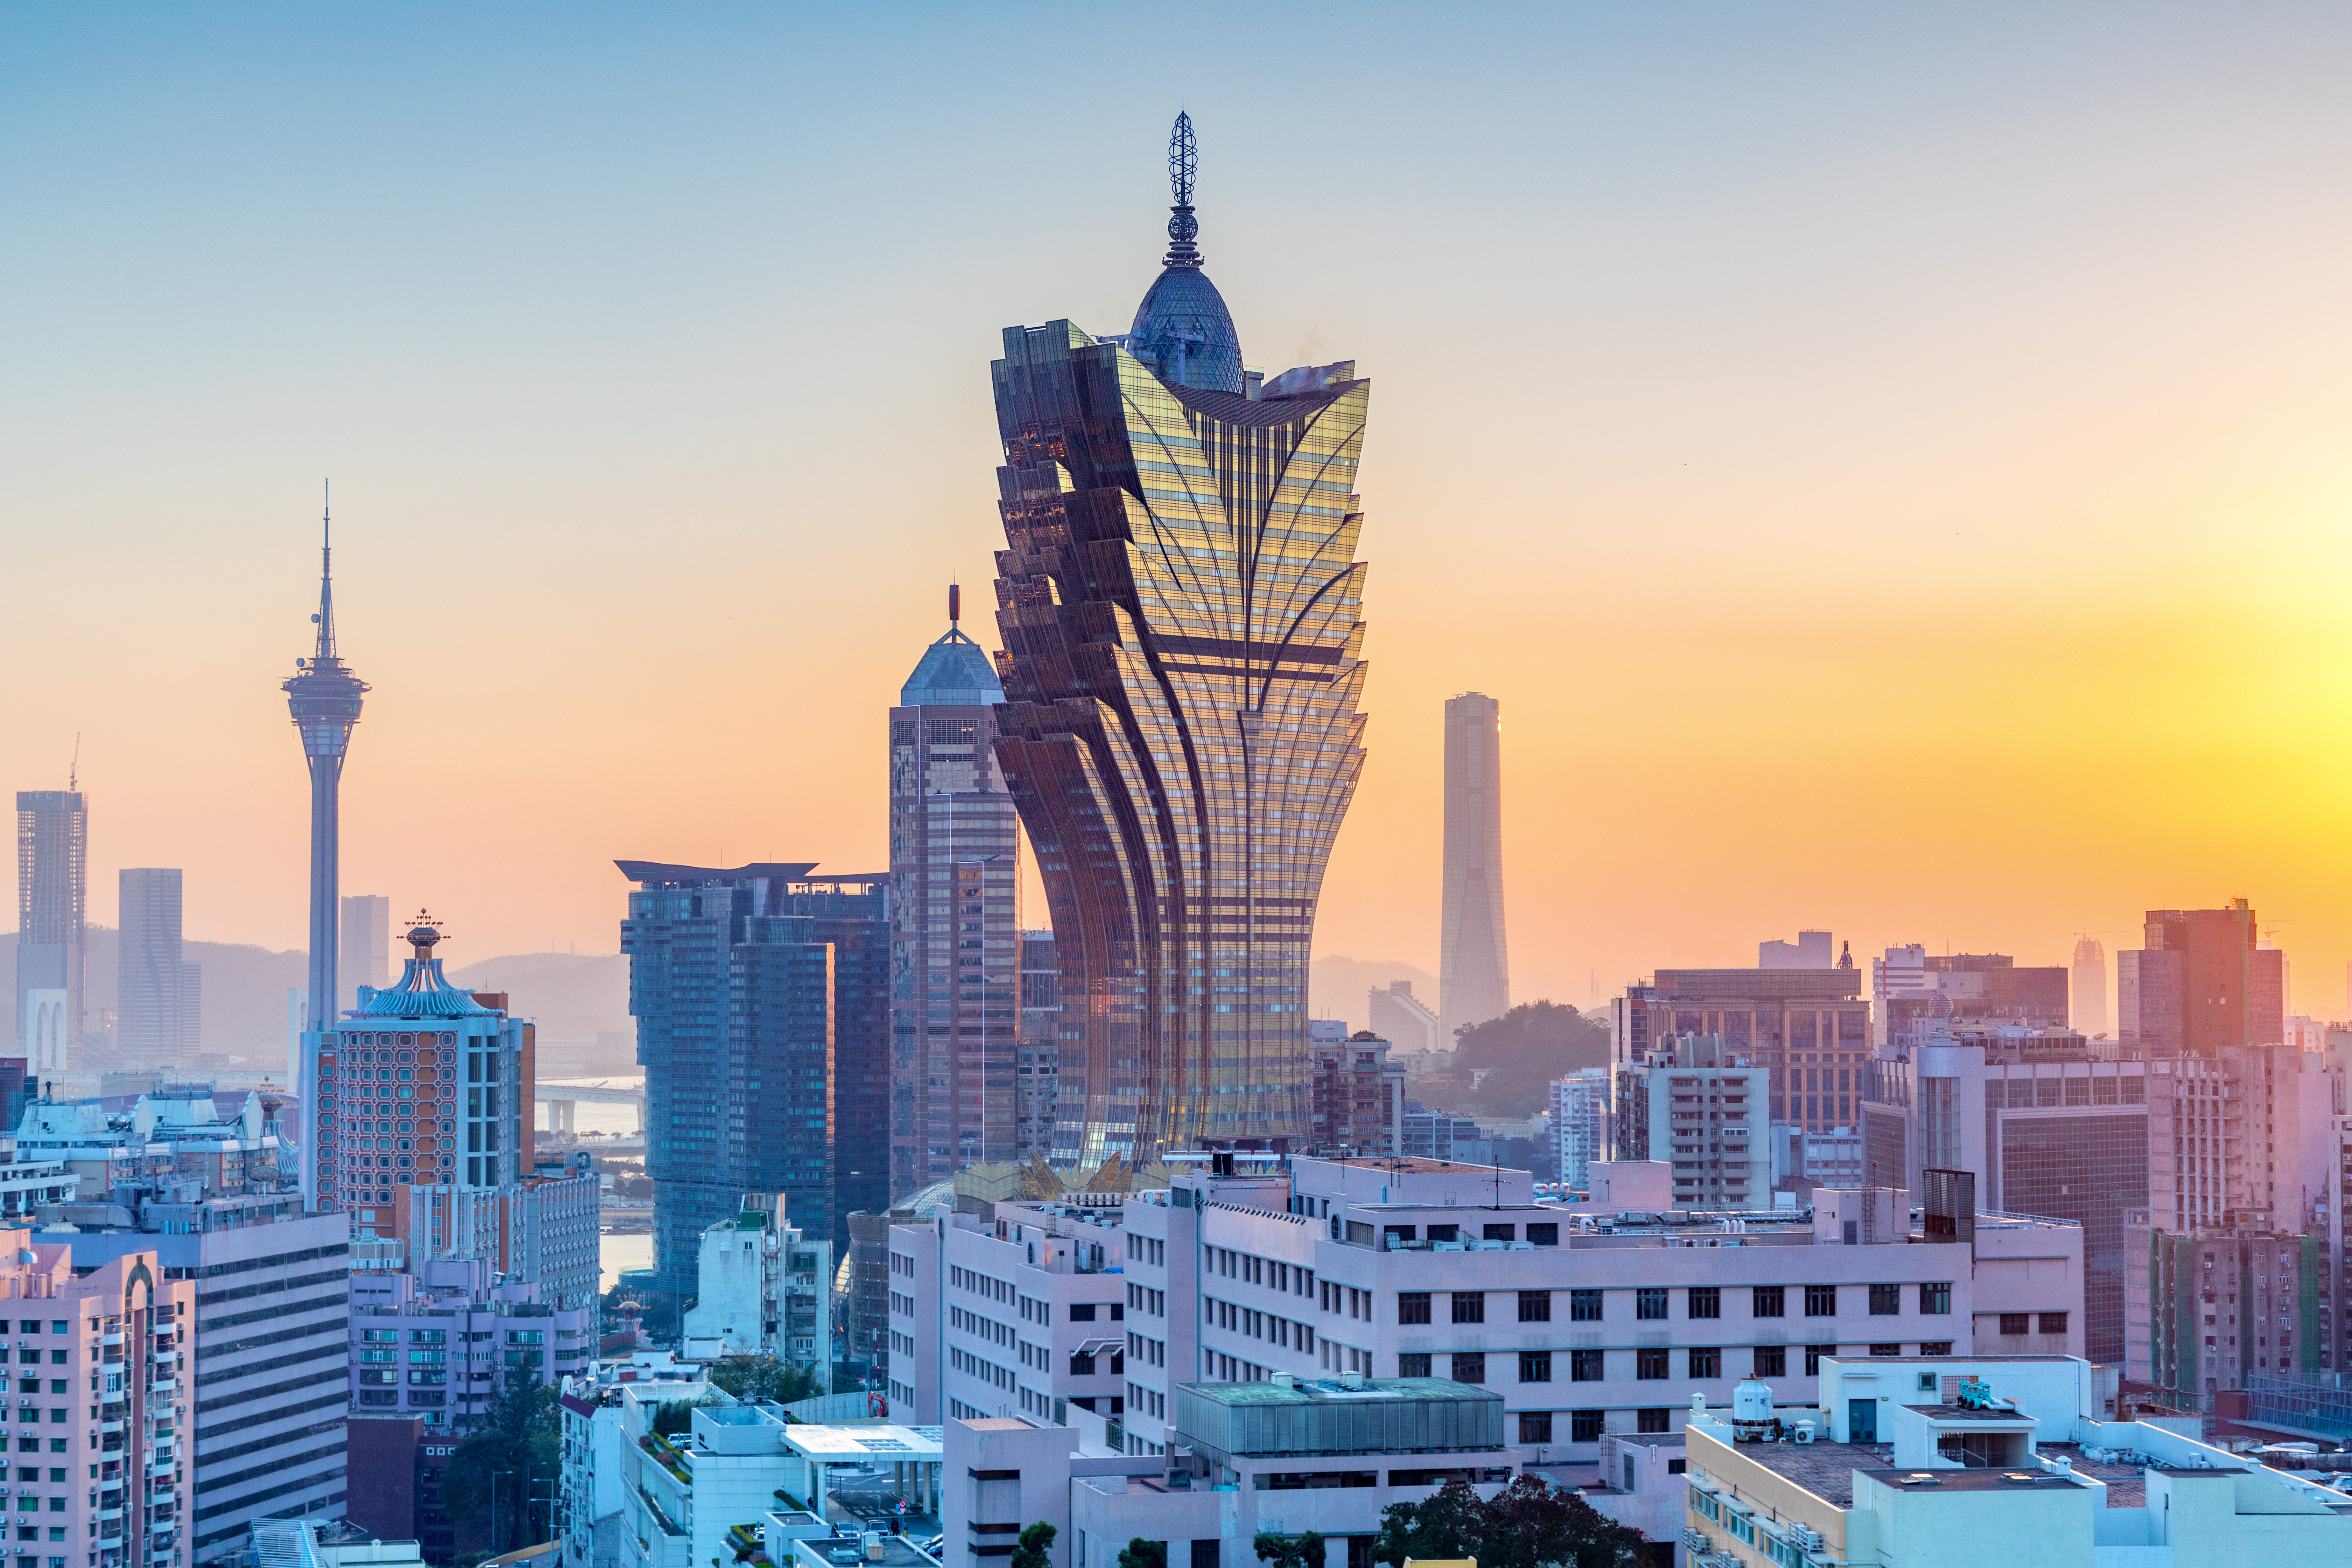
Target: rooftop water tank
[(1751, 1412)]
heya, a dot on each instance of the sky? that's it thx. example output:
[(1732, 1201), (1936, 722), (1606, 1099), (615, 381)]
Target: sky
[(1889, 463)]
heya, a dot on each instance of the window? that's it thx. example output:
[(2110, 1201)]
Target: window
[(2016, 1323), (1584, 1366), (1586, 1426), (1886, 1350), (1412, 1306), (1470, 1368), (1650, 1366), (1769, 1302), (1885, 1301), (1820, 1300), (1535, 1426), (1936, 1300), (1502, 1233), (1469, 1306), (1648, 1421), (2052, 1323), (1535, 1366), (1082, 1311), (1934, 1347), (1705, 1302), (1772, 1361), (1544, 1235), (1534, 1306), (1082, 1363), (1814, 1354), (1650, 1302), (1706, 1361), (1412, 1365), (1584, 1306)]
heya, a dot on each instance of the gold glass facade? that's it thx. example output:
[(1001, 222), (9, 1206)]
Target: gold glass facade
[(1180, 610)]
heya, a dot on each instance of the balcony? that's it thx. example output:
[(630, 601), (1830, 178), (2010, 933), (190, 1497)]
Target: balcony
[(112, 1339), (167, 1357), (163, 1385), (107, 1427)]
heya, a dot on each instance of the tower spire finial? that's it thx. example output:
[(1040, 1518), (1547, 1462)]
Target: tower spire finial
[(1183, 162), (955, 604), (326, 615)]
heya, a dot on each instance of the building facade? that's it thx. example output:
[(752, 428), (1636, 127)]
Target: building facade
[(1474, 970), (159, 997), (1811, 1029), (1357, 1097), (955, 912), (1399, 1016), (1037, 1080), (763, 1287), (1581, 1125), (762, 1001), (1180, 607), (2087, 988), (1700, 1109), (437, 1341), (2200, 982), (363, 950), (1032, 1317), (52, 919)]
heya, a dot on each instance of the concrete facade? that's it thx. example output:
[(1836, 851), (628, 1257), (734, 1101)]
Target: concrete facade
[(765, 1287)]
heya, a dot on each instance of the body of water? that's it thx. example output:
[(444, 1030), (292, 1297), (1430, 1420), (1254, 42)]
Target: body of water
[(617, 1253)]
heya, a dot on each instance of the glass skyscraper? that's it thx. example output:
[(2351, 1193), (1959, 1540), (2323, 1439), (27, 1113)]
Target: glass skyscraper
[(1180, 605), (955, 920)]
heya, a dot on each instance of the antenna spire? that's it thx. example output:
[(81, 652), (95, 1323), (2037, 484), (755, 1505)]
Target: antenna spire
[(1183, 162), (326, 615), (73, 769), (955, 604)]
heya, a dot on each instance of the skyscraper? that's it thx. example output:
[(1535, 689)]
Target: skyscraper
[(954, 920), (324, 699), (159, 995), (1179, 608), (1473, 970), (363, 957), (52, 902), (762, 1001), (2090, 987), (2200, 983)]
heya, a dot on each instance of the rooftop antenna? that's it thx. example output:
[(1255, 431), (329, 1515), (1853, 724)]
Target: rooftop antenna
[(325, 618), (73, 769), (1183, 162), (955, 604)]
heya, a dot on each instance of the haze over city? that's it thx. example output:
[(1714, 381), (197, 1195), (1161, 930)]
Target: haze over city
[(1887, 466)]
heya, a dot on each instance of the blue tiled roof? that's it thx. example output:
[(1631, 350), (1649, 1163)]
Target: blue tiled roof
[(953, 673), (421, 993)]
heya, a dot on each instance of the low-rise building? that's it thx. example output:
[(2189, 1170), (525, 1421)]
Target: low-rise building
[(1924, 1462), (439, 1340), (763, 1287), (1033, 1315)]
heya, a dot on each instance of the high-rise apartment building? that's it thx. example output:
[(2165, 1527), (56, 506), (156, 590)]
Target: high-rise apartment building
[(1358, 1096), (1809, 1027), (1396, 1015), (157, 996), (1698, 1108), (363, 956), (52, 907), (763, 1288), (762, 1001), (2087, 988), (1180, 610), (422, 1116), (1474, 970), (1579, 1125), (2200, 982), (955, 880)]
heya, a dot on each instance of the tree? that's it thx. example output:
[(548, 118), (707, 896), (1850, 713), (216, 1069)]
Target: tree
[(1524, 1050), (1529, 1524), (756, 1377), (1301, 1551), (1036, 1542), (1142, 1553), (518, 1451)]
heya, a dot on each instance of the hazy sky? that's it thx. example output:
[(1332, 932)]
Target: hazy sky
[(1890, 463)]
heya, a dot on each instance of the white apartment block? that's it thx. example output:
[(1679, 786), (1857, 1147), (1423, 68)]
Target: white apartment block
[(1704, 1110), (765, 1287), (1579, 1125), (1030, 1309), (1586, 1319)]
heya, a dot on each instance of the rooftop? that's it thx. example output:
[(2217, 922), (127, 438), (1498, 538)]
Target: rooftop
[(1973, 1480), (1825, 1469), (1327, 1388)]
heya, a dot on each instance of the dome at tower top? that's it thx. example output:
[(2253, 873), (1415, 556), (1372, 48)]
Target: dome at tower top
[(1184, 328)]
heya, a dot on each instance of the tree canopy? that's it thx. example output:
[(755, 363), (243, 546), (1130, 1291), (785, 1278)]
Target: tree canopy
[(1142, 1553), (515, 1456), (1526, 1049), (1036, 1546), (1301, 1551), (1529, 1524), (753, 1377)]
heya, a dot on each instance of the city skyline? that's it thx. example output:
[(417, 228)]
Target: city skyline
[(2158, 554)]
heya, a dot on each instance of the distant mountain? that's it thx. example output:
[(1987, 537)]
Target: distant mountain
[(1337, 986), (573, 997)]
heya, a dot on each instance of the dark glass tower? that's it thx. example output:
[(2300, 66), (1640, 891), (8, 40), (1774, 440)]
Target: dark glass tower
[(1180, 605), (324, 698)]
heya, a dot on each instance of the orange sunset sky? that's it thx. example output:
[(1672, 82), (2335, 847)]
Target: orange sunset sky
[(1894, 470)]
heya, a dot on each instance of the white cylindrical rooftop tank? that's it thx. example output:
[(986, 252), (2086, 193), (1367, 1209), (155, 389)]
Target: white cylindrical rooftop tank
[(1751, 1401)]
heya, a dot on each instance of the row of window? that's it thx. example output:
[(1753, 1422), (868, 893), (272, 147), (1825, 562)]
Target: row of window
[(1652, 1303), (1650, 1366)]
